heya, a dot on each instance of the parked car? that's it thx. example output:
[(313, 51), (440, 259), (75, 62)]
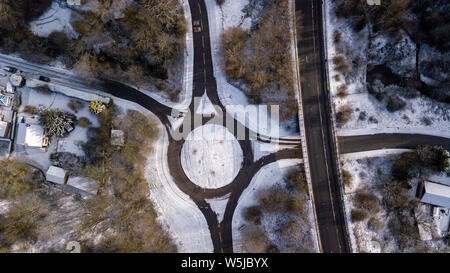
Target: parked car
[(44, 79), (10, 69)]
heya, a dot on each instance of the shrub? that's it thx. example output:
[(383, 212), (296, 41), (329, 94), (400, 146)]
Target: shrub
[(337, 36), (220, 2), (395, 194), (253, 215), (274, 200), (343, 115), (434, 157), (295, 204), (348, 178), (375, 224), (395, 103), (161, 86), (75, 105), (174, 95), (296, 178), (342, 91), (341, 64), (366, 201), (254, 240), (358, 215), (30, 110), (84, 122)]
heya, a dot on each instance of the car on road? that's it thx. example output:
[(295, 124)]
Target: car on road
[(10, 69), (44, 79)]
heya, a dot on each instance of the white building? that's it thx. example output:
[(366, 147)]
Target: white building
[(435, 194), (56, 175), (4, 127), (31, 135)]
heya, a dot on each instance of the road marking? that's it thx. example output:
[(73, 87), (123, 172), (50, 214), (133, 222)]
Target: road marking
[(199, 8), (203, 41), (204, 61)]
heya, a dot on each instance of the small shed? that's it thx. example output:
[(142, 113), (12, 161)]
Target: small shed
[(117, 138), (435, 194), (56, 175)]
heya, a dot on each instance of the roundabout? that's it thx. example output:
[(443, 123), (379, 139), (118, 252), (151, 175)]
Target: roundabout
[(211, 157)]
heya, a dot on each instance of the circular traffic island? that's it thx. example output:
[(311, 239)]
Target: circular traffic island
[(211, 157)]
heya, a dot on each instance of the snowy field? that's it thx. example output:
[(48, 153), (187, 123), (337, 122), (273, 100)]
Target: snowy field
[(211, 157), (367, 172), (176, 211), (56, 18), (378, 119), (420, 115), (270, 175)]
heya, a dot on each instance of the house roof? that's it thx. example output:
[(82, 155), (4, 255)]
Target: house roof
[(3, 128), (436, 194), (31, 135), (5, 100)]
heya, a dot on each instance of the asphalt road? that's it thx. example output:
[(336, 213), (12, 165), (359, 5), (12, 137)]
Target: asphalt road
[(352, 144), (317, 122), (319, 138)]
